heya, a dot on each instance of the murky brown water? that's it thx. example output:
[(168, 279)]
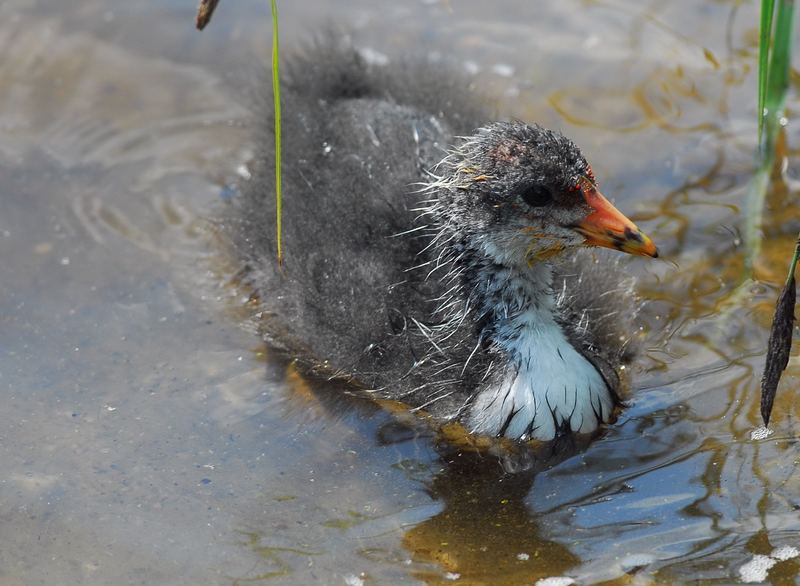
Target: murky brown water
[(147, 438)]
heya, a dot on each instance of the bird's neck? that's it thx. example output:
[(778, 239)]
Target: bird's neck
[(545, 386)]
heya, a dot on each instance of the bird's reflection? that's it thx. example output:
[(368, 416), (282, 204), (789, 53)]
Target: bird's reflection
[(485, 534)]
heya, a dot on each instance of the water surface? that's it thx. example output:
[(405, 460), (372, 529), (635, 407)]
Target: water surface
[(148, 437)]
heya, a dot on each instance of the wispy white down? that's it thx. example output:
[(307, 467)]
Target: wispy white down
[(547, 382)]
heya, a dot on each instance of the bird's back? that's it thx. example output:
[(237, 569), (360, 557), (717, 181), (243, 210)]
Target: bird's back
[(356, 140)]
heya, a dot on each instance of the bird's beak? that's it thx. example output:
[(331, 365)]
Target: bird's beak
[(608, 227)]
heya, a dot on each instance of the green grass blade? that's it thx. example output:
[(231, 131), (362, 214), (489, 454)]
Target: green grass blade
[(779, 64), (795, 258), (775, 77), (276, 94), (764, 37), (759, 184), (773, 87)]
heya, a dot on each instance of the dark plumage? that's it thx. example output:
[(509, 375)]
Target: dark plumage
[(432, 281)]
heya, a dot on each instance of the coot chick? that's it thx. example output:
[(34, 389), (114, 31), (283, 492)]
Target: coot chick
[(431, 257)]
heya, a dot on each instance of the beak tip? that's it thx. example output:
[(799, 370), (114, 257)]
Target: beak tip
[(649, 248)]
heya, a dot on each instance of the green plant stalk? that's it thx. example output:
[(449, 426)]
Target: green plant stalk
[(774, 90), (276, 95), (764, 38), (793, 264), (773, 87), (778, 73), (759, 184)]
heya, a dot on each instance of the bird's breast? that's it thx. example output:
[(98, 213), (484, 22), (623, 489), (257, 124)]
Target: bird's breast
[(546, 388)]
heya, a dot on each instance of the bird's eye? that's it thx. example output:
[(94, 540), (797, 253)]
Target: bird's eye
[(537, 196)]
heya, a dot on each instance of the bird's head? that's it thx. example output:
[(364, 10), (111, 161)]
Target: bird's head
[(524, 194)]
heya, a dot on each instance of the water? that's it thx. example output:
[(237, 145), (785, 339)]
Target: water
[(147, 437)]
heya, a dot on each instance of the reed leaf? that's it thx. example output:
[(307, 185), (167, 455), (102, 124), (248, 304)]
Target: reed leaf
[(764, 39), (775, 50), (276, 95), (773, 80), (205, 11), (780, 339)]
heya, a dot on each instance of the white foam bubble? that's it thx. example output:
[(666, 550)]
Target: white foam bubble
[(756, 570), (785, 552), (760, 433), (556, 581)]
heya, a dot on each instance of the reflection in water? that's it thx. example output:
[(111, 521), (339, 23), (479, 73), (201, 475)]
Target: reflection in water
[(273, 556), (485, 534)]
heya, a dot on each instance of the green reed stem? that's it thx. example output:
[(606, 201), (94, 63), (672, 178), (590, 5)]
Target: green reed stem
[(793, 264), (775, 49), (276, 96), (764, 39), (773, 85)]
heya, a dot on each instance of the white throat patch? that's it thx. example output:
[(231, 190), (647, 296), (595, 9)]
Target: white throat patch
[(547, 382)]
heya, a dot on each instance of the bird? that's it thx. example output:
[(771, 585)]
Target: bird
[(433, 256)]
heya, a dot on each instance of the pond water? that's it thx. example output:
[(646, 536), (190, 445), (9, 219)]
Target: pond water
[(146, 435)]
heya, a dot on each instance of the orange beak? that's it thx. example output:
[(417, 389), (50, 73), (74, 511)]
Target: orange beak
[(606, 226)]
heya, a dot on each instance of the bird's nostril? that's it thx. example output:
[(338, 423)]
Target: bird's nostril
[(633, 235)]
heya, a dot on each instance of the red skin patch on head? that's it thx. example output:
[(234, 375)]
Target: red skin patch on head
[(586, 182), (505, 152)]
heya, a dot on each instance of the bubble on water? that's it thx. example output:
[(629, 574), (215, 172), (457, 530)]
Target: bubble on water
[(760, 433), (756, 570), (785, 552), (556, 581)]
